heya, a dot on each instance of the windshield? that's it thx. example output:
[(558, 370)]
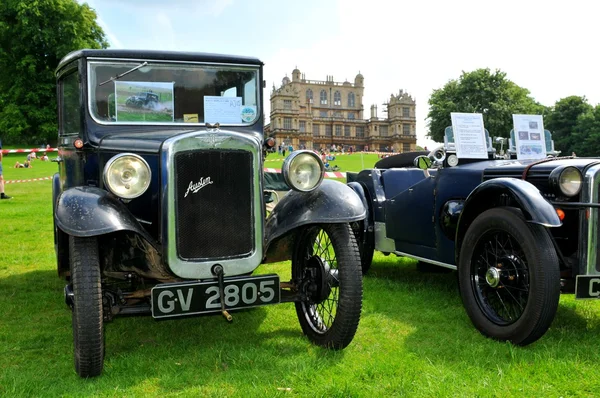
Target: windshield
[(173, 93)]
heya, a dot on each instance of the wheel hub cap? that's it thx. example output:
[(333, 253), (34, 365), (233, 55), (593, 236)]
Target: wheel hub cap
[(492, 276), (319, 279)]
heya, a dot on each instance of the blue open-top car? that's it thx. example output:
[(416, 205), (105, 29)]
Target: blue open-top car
[(518, 232)]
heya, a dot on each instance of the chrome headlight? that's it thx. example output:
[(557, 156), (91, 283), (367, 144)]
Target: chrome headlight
[(303, 170), (566, 181), (127, 175)]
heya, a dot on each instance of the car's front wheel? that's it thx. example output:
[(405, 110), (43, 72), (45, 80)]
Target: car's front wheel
[(88, 323), (326, 266), (509, 276)]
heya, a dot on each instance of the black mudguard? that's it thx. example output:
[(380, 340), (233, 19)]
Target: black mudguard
[(91, 211), (536, 209), (332, 202), (361, 191)]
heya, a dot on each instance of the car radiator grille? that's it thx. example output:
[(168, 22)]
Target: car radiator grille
[(213, 204)]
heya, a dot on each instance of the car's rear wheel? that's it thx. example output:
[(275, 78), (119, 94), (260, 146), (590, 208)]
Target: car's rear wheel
[(88, 323), (366, 245), (326, 267), (509, 276)]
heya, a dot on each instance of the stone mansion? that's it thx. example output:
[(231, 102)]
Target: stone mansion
[(318, 114)]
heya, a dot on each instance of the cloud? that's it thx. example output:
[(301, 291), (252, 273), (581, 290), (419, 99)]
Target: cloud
[(112, 39)]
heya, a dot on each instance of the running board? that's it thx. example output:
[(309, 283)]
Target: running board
[(426, 260)]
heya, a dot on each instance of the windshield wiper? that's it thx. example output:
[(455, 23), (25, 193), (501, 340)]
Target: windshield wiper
[(124, 73)]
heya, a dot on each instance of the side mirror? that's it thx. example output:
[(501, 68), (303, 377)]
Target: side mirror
[(423, 162)]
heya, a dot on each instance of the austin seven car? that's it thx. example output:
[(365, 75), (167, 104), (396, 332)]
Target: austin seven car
[(161, 210)]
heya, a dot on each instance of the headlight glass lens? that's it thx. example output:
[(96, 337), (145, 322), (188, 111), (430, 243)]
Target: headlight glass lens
[(570, 181), (127, 176), (303, 171)]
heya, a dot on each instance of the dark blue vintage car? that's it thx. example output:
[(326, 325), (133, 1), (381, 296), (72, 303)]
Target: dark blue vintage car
[(517, 232), (161, 210)]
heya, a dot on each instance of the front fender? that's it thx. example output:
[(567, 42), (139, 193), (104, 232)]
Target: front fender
[(90, 211), (332, 202), (536, 209)]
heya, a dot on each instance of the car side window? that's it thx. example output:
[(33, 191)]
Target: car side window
[(70, 106)]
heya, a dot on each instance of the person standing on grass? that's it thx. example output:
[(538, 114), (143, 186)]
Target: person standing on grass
[(2, 194)]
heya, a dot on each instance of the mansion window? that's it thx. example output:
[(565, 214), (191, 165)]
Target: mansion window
[(351, 115), (346, 131), (383, 130), (316, 130), (406, 147), (323, 113), (406, 129), (323, 97), (351, 102), (309, 96), (302, 126), (338, 131), (337, 98), (328, 130), (337, 114), (287, 123), (405, 111), (287, 104), (360, 132)]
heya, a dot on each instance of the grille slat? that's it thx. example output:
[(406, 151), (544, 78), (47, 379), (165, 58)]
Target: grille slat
[(213, 204)]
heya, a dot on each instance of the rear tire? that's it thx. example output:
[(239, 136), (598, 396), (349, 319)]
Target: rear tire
[(88, 322), (326, 264), (366, 246)]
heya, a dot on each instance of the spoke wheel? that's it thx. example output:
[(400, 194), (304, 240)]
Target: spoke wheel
[(500, 277), (327, 268), (509, 276), (88, 323)]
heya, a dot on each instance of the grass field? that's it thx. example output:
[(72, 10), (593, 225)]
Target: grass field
[(414, 338)]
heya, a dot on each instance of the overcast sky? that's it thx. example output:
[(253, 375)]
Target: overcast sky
[(548, 47)]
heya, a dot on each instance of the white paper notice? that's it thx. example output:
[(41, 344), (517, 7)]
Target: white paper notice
[(469, 135), (224, 110), (529, 136)]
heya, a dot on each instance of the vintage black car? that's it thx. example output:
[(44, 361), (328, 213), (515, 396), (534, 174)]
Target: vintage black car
[(142, 99), (168, 217), (517, 232)]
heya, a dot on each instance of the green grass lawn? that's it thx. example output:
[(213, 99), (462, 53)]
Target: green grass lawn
[(354, 162), (414, 338)]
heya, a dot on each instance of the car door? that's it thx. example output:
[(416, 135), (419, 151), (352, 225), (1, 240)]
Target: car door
[(409, 211)]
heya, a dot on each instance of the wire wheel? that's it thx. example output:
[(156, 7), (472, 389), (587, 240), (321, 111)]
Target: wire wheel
[(326, 268), (508, 275), (500, 277)]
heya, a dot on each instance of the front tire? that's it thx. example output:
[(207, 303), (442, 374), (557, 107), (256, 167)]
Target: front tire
[(326, 266), (88, 322), (509, 276)]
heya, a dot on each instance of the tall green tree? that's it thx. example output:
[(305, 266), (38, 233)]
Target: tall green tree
[(584, 137), (480, 91), (34, 36), (562, 119)]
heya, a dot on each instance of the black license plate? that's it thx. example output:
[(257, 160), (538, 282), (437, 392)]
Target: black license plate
[(587, 287), (181, 299)]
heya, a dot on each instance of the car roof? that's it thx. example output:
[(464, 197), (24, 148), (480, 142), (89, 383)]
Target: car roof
[(158, 56)]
